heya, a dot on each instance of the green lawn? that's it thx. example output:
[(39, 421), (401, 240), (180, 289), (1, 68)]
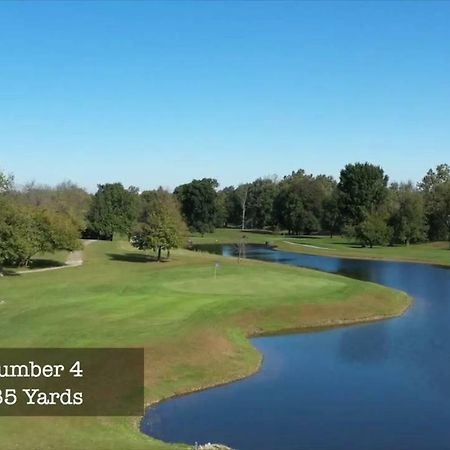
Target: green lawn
[(433, 252), (194, 327)]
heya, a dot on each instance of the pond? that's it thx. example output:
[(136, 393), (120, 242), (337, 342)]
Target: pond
[(378, 386)]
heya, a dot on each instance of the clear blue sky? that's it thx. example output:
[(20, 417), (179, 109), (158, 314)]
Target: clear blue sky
[(152, 93)]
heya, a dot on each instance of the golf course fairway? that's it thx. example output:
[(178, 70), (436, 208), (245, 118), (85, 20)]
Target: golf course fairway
[(193, 324)]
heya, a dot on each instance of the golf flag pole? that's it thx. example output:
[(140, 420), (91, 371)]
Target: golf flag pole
[(216, 266)]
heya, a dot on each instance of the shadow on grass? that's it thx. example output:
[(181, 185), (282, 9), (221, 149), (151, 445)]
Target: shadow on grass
[(134, 257), (34, 264), (255, 231), (45, 263)]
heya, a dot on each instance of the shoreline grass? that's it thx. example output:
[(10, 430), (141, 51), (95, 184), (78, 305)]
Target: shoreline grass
[(194, 327)]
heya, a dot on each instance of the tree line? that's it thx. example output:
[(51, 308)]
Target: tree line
[(39, 218), (362, 204)]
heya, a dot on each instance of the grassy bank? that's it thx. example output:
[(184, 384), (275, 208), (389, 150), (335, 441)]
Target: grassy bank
[(193, 326), (432, 252)]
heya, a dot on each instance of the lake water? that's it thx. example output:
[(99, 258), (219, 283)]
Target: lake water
[(384, 385)]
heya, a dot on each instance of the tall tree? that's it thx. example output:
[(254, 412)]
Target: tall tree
[(198, 201), (26, 231), (242, 194), (407, 216), (66, 198), (298, 205), (161, 226), (331, 217), (114, 209), (362, 189), (233, 211), (289, 210), (261, 195), (221, 209), (373, 230), (436, 190)]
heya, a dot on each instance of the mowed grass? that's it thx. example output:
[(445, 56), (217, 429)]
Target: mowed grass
[(194, 327), (431, 252)]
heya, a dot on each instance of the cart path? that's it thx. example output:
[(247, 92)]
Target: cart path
[(307, 245), (74, 259)]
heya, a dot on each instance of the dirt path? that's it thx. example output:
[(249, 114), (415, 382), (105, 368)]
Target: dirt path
[(74, 259)]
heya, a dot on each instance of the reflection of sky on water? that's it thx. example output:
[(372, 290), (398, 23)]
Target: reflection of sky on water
[(375, 350), (382, 385)]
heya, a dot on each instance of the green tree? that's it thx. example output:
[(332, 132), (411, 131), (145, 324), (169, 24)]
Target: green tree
[(261, 195), (65, 198), (318, 192), (435, 187), (373, 231), (161, 225), (362, 189), (331, 217), (298, 204), (114, 209), (407, 217), (221, 209), (17, 234), (289, 210), (232, 203), (26, 231), (198, 201)]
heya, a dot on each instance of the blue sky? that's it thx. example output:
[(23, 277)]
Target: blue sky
[(153, 94)]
